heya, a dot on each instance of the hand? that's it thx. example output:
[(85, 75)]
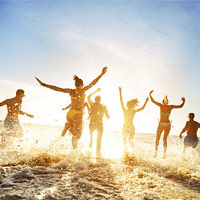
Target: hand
[(183, 98), (31, 116), (63, 109), (39, 81), (180, 135), (151, 91), (120, 89), (147, 99), (104, 70), (98, 89)]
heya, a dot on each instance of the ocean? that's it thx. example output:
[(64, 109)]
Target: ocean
[(43, 165)]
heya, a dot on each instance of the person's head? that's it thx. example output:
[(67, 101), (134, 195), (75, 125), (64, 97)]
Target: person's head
[(97, 99), (20, 93), (165, 100), (191, 116), (133, 103), (78, 82)]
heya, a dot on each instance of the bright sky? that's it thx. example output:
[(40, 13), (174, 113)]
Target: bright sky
[(145, 44)]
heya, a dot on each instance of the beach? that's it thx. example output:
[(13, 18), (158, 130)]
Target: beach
[(42, 165)]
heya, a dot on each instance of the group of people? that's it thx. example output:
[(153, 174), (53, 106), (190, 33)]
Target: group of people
[(97, 111)]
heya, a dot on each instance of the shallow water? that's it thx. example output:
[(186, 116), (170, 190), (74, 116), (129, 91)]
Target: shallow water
[(42, 165)]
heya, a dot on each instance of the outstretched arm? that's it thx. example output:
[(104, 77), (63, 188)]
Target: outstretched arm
[(184, 129), (23, 113), (121, 99), (104, 70), (152, 99), (66, 107), (181, 105), (89, 98), (52, 87), (3, 103), (142, 108)]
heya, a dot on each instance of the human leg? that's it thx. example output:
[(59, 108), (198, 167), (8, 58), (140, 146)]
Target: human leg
[(99, 138), (166, 133), (158, 134)]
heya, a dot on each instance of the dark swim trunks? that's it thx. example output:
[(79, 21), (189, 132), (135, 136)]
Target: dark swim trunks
[(191, 141), (12, 127)]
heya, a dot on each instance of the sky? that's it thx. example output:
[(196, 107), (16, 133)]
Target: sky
[(145, 45)]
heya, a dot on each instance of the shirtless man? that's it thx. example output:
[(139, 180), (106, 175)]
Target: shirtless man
[(97, 112), (12, 125), (164, 123), (191, 139)]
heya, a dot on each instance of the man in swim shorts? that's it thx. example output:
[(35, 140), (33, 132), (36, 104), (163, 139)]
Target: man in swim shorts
[(11, 126), (191, 140)]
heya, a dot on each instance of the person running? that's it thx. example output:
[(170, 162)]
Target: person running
[(164, 123), (97, 112), (66, 125), (129, 113), (75, 113), (191, 139), (11, 124)]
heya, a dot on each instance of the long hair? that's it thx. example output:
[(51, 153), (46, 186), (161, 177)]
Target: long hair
[(78, 81), (132, 103)]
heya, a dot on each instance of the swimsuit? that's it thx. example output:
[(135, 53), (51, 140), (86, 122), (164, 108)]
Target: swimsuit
[(191, 141), (165, 124), (71, 113), (12, 127)]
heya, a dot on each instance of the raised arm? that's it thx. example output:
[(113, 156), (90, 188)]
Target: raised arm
[(52, 87), (184, 129), (87, 106), (152, 99), (104, 70), (121, 99), (181, 105), (89, 98), (142, 108)]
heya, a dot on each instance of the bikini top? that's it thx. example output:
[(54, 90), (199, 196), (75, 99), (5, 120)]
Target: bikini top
[(165, 114)]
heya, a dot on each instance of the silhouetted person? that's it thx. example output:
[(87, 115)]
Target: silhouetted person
[(66, 125), (191, 126), (164, 123), (129, 113), (11, 124), (97, 112), (85, 105), (75, 114)]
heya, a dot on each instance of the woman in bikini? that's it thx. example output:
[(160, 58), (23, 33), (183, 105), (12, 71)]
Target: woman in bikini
[(129, 113), (164, 123), (75, 114)]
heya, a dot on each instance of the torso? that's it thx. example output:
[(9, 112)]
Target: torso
[(13, 108), (192, 127), (96, 113), (128, 117), (165, 111), (77, 99)]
